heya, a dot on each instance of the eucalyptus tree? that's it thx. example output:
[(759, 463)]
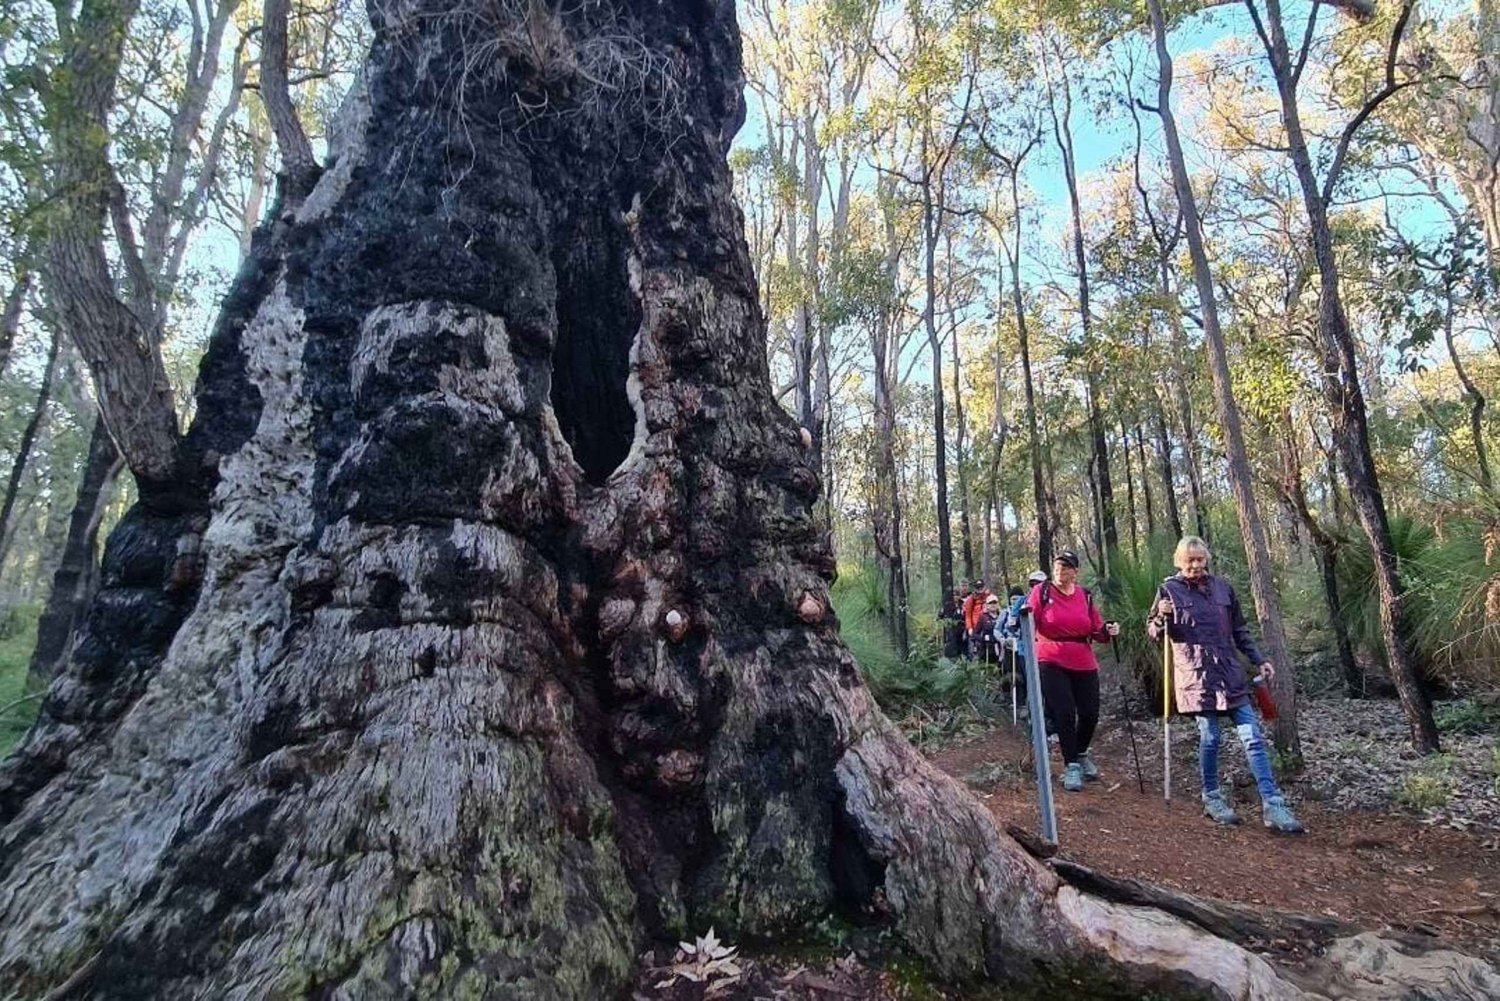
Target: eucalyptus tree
[(810, 64), (1342, 390), (1059, 67), (1008, 225), (1241, 480)]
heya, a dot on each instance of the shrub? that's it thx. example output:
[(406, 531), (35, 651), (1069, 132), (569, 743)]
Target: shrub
[(1468, 716), (16, 642), (1429, 786)]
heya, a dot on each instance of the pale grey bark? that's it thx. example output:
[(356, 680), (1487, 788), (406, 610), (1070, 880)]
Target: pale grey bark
[(1241, 480)]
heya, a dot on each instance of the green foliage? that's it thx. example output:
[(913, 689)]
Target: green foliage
[(1429, 787), (17, 637), (1449, 588), (1468, 716), (1126, 596), (924, 679)]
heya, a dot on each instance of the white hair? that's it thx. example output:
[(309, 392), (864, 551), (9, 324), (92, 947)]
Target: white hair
[(1187, 545)]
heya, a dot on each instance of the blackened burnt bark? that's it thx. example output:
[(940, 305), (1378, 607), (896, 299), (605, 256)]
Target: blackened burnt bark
[(452, 710)]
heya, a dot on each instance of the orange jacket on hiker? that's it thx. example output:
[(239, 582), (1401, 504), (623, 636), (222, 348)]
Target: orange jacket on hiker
[(974, 608)]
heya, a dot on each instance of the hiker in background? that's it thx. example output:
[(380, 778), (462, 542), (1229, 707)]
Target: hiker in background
[(987, 631), (1201, 615), (1067, 624), (951, 619), (1009, 631), (973, 609)]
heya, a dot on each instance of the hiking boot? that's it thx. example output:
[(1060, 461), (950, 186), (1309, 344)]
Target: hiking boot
[(1276, 815), (1073, 778), (1090, 770), (1217, 809)]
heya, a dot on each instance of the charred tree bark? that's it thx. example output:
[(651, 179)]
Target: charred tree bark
[(73, 580), (450, 712)]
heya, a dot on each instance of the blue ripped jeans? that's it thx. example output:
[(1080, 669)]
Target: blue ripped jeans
[(1245, 724)]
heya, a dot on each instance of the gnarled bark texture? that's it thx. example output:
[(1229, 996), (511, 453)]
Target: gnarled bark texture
[(387, 699)]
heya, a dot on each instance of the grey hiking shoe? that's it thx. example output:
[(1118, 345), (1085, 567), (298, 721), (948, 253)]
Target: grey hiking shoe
[(1073, 778), (1217, 808), (1090, 770), (1276, 815)]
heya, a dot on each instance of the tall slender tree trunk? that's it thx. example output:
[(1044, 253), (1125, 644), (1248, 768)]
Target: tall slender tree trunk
[(10, 315), (931, 213), (1190, 452), (1063, 131), (1241, 480), (1164, 463), (1345, 398), (1135, 544), (888, 532), (1044, 526), (1476, 402), (961, 436), (23, 447), (74, 579), (1325, 551), (1149, 503)]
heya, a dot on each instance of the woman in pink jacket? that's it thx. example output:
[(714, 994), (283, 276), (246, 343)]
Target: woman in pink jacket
[(1068, 623)]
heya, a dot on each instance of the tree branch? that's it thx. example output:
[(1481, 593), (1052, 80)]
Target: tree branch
[(1391, 87), (297, 162)]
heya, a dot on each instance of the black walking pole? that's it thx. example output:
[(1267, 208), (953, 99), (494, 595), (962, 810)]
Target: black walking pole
[(1140, 780)]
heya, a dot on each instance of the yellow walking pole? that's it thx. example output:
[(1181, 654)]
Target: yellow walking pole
[(1166, 715)]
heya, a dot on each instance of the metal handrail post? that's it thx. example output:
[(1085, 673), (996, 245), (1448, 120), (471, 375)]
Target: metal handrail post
[(1038, 730)]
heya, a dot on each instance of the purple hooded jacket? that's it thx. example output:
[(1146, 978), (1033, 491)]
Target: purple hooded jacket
[(1208, 633)]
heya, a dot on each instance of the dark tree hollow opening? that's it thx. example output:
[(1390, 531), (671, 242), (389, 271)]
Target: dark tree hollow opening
[(597, 319)]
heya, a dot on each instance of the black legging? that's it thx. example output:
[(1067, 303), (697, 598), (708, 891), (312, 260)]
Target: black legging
[(1073, 703)]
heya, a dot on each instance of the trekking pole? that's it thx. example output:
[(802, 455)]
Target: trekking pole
[(1166, 716), (1140, 780), (1038, 730)]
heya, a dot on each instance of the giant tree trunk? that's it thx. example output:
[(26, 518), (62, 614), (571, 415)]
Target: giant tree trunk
[(426, 725)]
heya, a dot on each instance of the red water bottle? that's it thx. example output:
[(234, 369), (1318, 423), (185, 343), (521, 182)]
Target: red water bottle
[(1263, 698)]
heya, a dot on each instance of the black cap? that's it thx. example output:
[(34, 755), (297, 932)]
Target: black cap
[(1067, 558)]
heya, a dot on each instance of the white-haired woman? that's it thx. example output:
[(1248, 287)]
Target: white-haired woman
[(1201, 615)]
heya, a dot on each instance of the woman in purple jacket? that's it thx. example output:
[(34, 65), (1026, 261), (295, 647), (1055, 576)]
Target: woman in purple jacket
[(1201, 614)]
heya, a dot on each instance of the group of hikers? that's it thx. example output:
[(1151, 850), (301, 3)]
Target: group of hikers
[(1200, 617)]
